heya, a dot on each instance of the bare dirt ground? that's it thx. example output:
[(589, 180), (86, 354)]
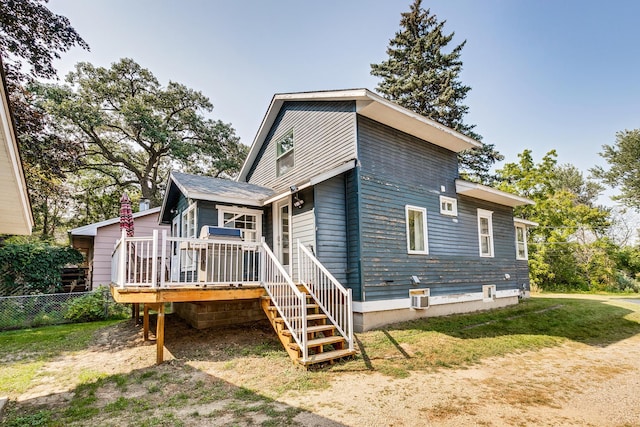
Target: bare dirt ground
[(570, 385)]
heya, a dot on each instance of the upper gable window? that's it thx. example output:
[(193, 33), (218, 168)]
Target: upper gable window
[(448, 206), (284, 153)]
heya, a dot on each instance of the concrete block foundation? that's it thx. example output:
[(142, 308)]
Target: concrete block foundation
[(208, 314), (376, 319)]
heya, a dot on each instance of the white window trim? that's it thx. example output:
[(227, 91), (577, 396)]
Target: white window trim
[(183, 221), (290, 151), (454, 205), (483, 213), (188, 256), (407, 208), (222, 209), (524, 235)]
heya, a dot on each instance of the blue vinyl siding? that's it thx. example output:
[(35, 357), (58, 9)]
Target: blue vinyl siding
[(207, 215), (331, 235), (303, 227), (324, 138), (399, 170)]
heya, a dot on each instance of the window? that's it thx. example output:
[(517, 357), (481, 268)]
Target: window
[(189, 221), (448, 206), (249, 221), (416, 230), (485, 232), (521, 242), (284, 154)]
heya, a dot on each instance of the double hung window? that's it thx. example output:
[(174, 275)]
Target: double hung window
[(485, 232), (417, 242)]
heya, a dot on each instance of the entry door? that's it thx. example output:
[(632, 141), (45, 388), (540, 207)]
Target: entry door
[(282, 232)]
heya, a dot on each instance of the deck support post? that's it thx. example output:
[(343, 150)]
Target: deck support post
[(160, 335), (135, 312), (145, 322)]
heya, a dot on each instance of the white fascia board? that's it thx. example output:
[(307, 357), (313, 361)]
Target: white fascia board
[(483, 192), (224, 199), (525, 222), (92, 229), (384, 111)]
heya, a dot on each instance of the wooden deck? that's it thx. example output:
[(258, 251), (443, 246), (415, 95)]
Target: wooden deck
[(147, 295), (155, 298)]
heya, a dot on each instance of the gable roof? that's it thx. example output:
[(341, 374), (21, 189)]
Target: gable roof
[(15, 207), (92, 229), (212, 189), (370, 105)]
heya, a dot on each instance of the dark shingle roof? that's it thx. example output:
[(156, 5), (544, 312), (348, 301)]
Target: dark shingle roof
[(216, 189)]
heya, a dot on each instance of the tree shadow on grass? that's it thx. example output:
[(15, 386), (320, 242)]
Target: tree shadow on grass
[(172, 394)]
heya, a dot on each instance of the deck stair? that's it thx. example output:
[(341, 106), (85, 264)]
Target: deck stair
[(324, 342)]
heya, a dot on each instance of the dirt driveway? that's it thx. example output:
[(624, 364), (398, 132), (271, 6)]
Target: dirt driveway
[(570, 385)]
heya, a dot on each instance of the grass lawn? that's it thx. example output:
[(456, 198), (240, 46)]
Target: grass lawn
[(179, 392)]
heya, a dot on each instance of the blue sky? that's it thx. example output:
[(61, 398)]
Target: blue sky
[(545, 74)]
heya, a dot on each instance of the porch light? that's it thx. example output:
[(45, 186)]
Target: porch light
[(297, 201), (415, 280)]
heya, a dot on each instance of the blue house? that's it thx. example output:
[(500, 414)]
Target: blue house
[(373, 190), (348, 214)]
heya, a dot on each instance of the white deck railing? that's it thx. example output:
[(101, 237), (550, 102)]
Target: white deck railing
[(333, 298), (178, 261), (175, 261), (287, 298)]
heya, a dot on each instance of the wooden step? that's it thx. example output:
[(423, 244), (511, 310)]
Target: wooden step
[(327, 356), (319, 341), (309, 317), (273, 307), (312, 329), (267, 297)]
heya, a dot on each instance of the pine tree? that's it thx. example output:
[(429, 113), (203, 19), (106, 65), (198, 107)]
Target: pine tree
[(423, 76)]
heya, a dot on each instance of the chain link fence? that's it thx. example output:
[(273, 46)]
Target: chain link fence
[(26, 311)]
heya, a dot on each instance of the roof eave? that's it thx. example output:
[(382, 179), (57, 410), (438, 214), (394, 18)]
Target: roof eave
[(489, 194)]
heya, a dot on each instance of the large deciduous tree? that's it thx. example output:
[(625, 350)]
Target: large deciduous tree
[(623, 158), (423, 74), (134, 130), (570, 248)]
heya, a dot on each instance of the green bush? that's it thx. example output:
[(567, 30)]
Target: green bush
[(97, 305), (34, 266)]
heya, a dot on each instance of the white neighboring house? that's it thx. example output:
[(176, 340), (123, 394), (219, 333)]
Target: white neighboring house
[(15, 207)]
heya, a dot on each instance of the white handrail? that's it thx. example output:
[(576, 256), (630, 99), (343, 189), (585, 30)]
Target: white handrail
[(287, 298), (333, 298), (177, 261)]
